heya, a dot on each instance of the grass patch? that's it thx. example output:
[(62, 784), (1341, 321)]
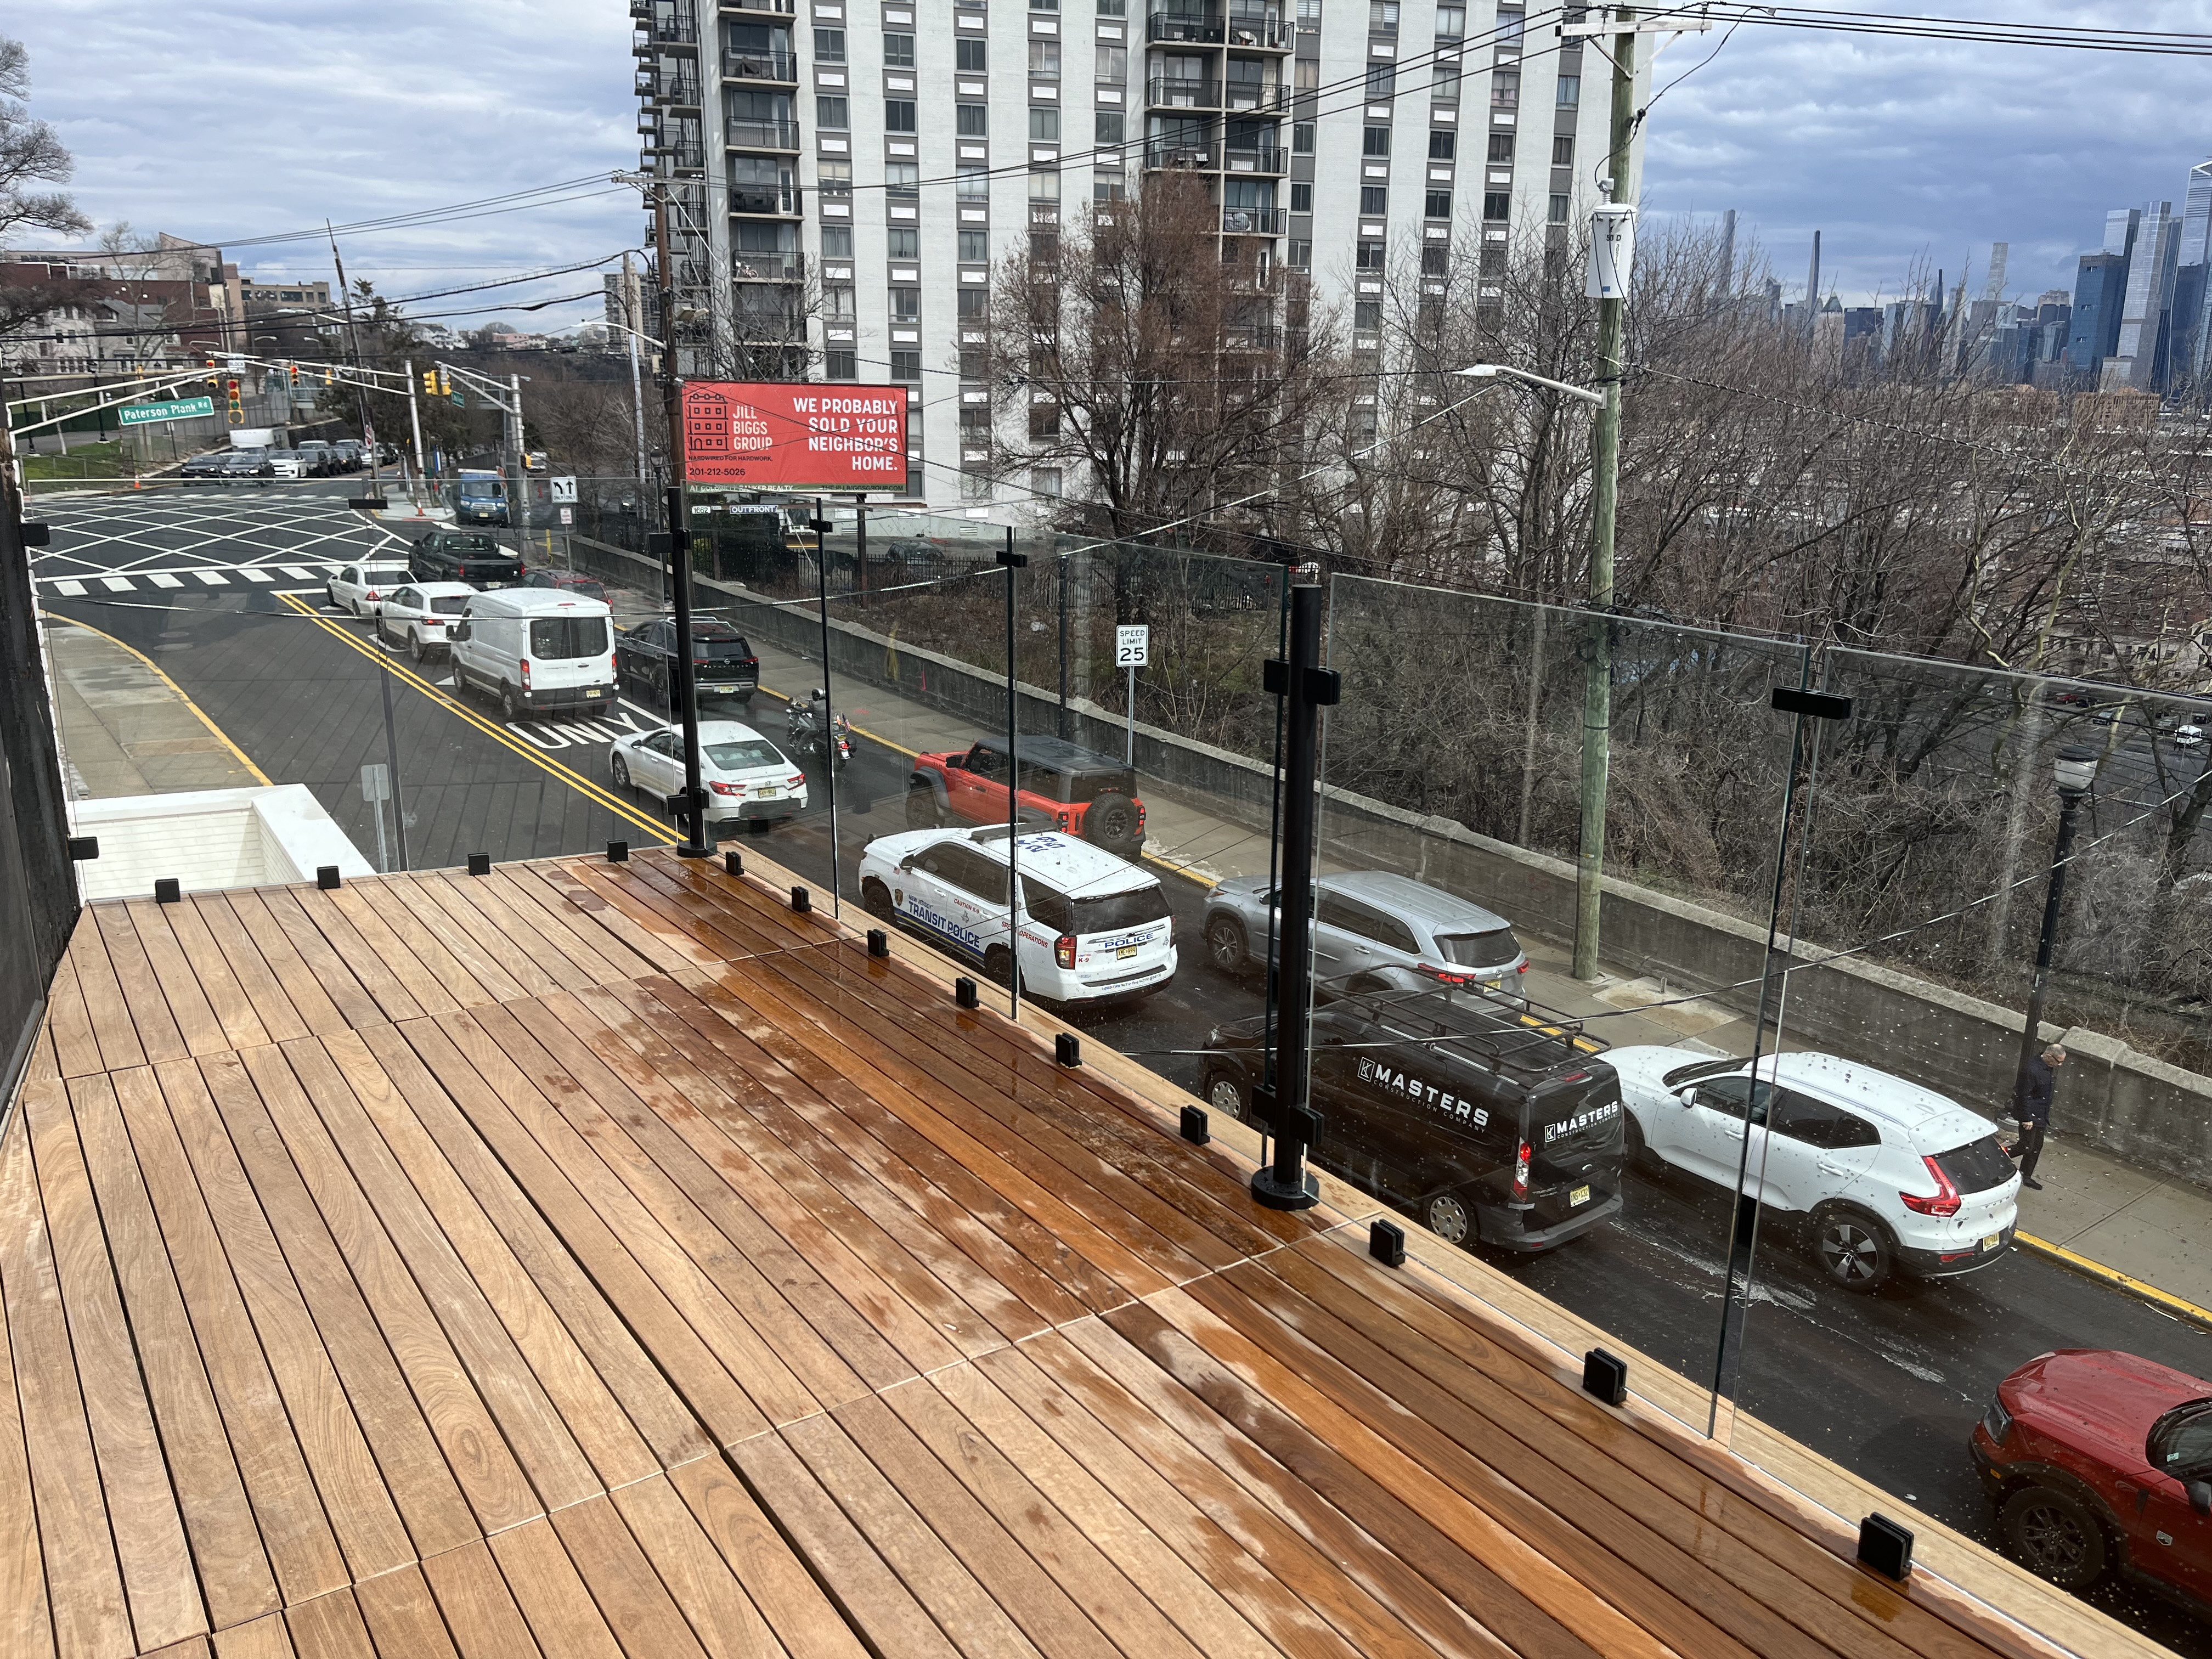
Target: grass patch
[(94, 460)]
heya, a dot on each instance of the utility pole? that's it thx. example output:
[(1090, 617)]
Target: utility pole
[(415, 423), (518, 500), (1605, 466), (693, 844), (633, 316), (360, 388)]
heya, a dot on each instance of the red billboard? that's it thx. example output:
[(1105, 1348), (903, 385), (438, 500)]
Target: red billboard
[(773, 434)]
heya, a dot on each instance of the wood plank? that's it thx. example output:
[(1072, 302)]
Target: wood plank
[(340, 913), (403, 1617), (541, 1442), (195, 1647), (727, 937), (425, 1112), (112, 1029), (438, 899), (655, 942), (723, 1618), (871, 1594), (329, 1627), (280, 1016), (241, 1024), (707, 1390), (324, 937), (69, 1026), (477, 1606), (551, 1596), (443, 1388), (473, 953), (327, 996), (486, 910), (629, 1594), (590, 946), (368, 901), (233, 1569), (26, 1627), (84, 1582), (165, 1004), (407, 1446), (293, 1531), (317, 1406), (265, 1638)]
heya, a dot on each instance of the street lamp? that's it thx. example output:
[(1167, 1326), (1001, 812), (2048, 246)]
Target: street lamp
[(1491, 371), (2074, 769)]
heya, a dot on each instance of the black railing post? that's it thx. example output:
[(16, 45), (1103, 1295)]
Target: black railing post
[(685, 680), (1013, 561), (828, 735), (1306, 688)]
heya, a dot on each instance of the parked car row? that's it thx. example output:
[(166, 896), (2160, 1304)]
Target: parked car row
[(315, 458)]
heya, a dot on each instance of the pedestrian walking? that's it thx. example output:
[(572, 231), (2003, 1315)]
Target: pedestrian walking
[(2032, 1109)]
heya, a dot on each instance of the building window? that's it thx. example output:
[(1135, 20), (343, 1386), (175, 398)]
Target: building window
[(1044, 425), (1044, 123), (1309, 13), (1301, 255), (1044, 5), (974, 246), (1438, 205), (1505, 89), (837, 304), (836, 177), (898, 51), (1444, 144), (1045, 481), (972, 184), (1044, 59), (1374, 198), (1382, 82), (1376, 140), (1044, 247), (1367, 314), (902, 178), (831, 112), (829, 45), (1302, 138), (1301, 199), (1383, 16), (1044, 187), (1511, 26), (1451, 22), (972, 56), (838, 241), (1436, 260), (975, 302), (899, 115), (1571, 90), (1562, 150), (1305, 74), (1447, 79), (1368, 256), (906, 304), (1496, 204), (975, 486), (1113, 63), (1558, 213), (1108, 127), (971, 120), (1112, 7), (1109, 187), (905, 242), (1501, 147), (841, 365), (905, 366)]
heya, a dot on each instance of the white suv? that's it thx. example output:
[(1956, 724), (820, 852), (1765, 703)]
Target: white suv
[(1092, 925), (1891, 1177)]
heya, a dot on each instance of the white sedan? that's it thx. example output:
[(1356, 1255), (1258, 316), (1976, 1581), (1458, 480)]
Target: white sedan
[(418, 615), (359, 588), (746, 777)]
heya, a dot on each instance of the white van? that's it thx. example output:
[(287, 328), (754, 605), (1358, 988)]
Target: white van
[(535, 649)]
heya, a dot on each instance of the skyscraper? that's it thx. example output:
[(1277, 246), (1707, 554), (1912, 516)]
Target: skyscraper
[(2100, 286), (847, 181), (2197, 218), (2138, 358)]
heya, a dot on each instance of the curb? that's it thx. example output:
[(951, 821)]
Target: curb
[(2179, 1307)]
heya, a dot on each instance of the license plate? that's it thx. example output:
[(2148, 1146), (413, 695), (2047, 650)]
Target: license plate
[(1993, 1241), (1580, 1195), (591, 694), (723, 690), (1125, 953), (768, 793)]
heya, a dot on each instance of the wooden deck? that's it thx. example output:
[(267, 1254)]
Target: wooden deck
[(604, 1260)]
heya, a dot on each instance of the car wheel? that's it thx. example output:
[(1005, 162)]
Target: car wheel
[(1448, 1219), (1851, 1248), (510, 705), (1637, 1155), (876, 900), (921, 808), (1225, 1095), (619, 770), (1226, 947), (416, 648), (1110, 822), (2055, 1536), (998, 965), (331, 597)]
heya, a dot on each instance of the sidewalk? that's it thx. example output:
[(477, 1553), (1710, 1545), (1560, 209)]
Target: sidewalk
[(126, 729), (2147, 1234)]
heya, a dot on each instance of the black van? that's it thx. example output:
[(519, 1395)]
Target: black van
[(1489, 1122)]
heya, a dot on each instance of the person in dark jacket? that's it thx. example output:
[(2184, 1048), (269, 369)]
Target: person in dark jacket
[(2032, 1109)]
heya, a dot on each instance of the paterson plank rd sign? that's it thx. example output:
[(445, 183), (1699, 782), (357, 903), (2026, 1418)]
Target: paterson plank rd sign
[(768, 435)]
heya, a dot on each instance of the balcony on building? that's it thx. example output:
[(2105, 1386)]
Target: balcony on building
[(771, 265), (656, 24), (1268, 158), (1184, 154), (1195, 26), (764, 199), (1252, 221), (1177, 91), (1251, 90)]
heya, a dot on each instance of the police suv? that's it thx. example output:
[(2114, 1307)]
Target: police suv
[(1488, 1121), (1090, 925)]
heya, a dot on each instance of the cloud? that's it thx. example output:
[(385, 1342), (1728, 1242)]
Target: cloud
[(258, 117), (1905, 152)]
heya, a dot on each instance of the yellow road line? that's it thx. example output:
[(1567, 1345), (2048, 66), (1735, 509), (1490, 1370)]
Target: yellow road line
[(537, 757), (2115, 1278), (214, 730)]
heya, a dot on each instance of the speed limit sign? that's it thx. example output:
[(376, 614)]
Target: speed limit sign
[(1133, 645)]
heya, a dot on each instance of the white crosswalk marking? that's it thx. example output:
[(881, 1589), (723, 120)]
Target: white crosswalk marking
[(297, 573), (213, 578), (164, 580), (254, 574), (118, 584), (71, 589)]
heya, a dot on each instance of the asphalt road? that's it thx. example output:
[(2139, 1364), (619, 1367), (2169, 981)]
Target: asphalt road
[(1888, 1385)]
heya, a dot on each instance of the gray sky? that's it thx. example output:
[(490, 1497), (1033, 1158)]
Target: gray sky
[(252, 117)]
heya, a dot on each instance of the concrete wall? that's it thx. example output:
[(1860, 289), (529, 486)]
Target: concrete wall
[(2132, 1105)]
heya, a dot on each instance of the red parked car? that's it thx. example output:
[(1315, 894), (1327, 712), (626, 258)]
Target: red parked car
[(1063, 787), (2100, 1463)]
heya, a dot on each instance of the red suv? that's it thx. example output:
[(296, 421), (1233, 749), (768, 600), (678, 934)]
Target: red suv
[(1063, 787), (2101, 1463)]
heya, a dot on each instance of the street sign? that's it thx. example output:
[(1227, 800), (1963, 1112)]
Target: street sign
[(376, 783), (564, 489), (567, 516), (1133, 645), (460, 401), (176, 409)]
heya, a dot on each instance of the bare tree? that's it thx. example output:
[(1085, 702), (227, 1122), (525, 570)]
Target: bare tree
[(31, 153)]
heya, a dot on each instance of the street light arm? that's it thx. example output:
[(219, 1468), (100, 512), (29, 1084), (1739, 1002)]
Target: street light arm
[(1490, 371)]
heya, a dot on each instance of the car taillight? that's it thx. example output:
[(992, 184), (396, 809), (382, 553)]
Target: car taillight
[(1520, 1170), (1063, 820), (372, 596), (1946, 1199), (722, 788), (1140, 817), (1063, 949), (796, 779), (525, 673), (1522, 969)]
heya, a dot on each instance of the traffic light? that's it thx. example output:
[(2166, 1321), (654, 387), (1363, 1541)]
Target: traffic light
[(329, 379), (445, 384), (429, 382), (293, 369), (237, 403)]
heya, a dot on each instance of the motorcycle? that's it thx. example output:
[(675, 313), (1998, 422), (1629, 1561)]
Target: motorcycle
[(802, 732)]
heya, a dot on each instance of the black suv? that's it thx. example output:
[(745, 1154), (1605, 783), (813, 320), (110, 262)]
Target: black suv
[(1488, 1122), (722, 662), (464, 556)]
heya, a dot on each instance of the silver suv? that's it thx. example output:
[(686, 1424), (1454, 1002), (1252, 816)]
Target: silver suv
[(1372, 931)]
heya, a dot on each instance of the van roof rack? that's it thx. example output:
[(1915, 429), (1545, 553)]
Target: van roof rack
[(1525, 1039)]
